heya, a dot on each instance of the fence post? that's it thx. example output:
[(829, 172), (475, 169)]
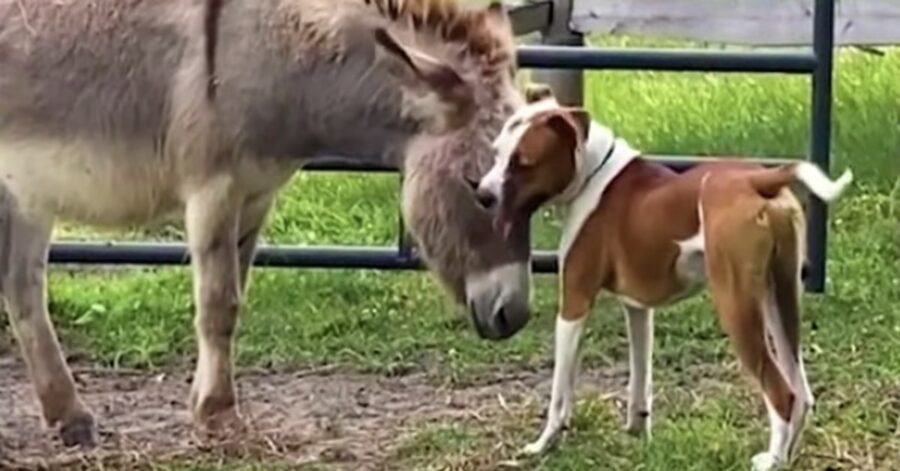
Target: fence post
[(567, 85), (823, 46)]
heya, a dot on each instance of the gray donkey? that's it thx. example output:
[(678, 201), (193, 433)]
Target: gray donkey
[(119, 112)]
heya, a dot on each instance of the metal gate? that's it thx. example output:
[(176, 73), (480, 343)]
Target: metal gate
[(551, 19)]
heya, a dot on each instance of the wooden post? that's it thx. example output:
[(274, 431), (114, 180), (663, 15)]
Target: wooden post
[(567, 85)]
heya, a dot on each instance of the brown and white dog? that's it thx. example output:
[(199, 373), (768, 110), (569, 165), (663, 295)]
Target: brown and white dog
[(652, 237)]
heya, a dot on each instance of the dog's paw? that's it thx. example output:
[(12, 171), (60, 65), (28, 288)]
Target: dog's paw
[(765, 462), (534, 448)]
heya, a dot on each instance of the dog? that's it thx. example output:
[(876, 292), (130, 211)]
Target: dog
[(652, 237)]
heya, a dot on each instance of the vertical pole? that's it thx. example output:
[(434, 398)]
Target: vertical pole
[(823, 46), (567, 85)]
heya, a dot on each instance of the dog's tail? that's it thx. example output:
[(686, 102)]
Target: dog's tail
[(769, 182)]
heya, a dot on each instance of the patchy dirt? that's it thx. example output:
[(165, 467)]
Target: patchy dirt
[(342, 420)]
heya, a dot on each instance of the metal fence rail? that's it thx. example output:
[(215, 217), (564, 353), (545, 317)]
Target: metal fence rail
[(674, 60), (817, 63)]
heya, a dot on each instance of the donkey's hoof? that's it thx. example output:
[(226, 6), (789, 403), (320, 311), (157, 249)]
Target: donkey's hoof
[(224, 423), (80, 430)]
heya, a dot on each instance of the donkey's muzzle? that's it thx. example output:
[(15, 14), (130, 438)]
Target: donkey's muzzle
[(498, 300), (500, 323)]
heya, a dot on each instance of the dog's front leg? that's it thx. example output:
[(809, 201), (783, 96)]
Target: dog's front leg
[(565, 363), (640, 382)]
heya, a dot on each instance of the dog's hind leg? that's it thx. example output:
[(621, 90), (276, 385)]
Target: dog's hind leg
[(24, 245), (741, 252), (783, 306)]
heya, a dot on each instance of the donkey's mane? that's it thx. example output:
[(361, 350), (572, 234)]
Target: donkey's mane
[(450, 22)]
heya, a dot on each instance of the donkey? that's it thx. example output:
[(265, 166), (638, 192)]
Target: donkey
[(117, 113)]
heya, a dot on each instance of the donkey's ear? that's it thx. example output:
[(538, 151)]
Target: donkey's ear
[(441, 77), (537, 91)]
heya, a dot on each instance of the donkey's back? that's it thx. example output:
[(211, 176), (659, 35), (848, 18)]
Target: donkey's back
[(86, 109)]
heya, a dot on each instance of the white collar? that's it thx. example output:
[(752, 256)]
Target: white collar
[(603, 158)]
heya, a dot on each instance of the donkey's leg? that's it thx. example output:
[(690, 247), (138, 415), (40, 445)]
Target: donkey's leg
[(253, 215), (23, 278), (212, 216), (640, 389)]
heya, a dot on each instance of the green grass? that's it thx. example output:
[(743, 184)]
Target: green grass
[(706, 418)]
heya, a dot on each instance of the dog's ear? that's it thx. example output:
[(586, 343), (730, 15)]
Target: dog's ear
[(497, 13), (552, 135), (582, 120), (535, 92)]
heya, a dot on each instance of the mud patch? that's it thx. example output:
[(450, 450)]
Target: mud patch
[(339, 419)]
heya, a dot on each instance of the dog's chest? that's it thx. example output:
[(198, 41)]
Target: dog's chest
[(690, 266)]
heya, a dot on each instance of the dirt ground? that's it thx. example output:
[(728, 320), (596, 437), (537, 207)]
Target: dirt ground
[(342, 420)]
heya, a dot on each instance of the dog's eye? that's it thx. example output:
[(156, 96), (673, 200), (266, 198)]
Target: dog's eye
[(472, 182), (515, 160)]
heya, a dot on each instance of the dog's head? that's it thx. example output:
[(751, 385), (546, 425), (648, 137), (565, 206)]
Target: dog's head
[(537, 156)]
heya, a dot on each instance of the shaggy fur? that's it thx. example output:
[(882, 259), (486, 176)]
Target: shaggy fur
[(119, 112)]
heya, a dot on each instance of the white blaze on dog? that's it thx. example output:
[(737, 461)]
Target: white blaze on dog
[(508, 140)]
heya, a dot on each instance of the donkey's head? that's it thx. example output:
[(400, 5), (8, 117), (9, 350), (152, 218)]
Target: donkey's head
[(485, 268)]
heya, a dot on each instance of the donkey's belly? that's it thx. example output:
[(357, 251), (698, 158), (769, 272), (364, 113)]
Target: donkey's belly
[(109, 184)]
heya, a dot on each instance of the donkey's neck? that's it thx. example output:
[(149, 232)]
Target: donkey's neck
[(328, 111), (291, 99)]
